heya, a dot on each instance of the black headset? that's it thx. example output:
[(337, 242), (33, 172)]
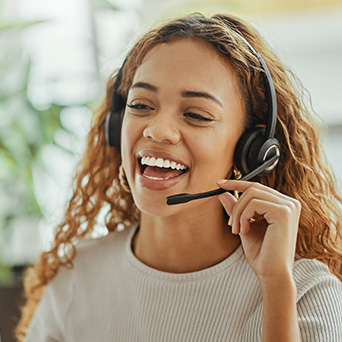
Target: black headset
[(115, 115), (255, 147)]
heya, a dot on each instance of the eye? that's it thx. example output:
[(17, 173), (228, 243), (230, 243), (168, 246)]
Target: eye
[(140, 107), (198, 117)]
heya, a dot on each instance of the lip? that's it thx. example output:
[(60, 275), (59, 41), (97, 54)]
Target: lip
[(158, 184)]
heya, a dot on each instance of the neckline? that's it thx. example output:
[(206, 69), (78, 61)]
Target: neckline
[(178, 277)]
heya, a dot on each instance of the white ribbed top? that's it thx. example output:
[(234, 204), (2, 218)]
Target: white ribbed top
[(111, 296)]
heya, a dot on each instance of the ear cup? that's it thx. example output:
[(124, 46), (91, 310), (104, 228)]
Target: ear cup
[(114, 117), (243, 147), (253, 149), (113, 129), (262, 150)]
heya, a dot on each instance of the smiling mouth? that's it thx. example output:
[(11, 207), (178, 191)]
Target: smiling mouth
[(160, 169)]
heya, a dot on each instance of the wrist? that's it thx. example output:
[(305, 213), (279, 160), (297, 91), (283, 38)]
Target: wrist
[(279, 300), (280, 282)]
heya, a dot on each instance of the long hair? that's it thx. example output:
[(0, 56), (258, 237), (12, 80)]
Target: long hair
[(302, 171)]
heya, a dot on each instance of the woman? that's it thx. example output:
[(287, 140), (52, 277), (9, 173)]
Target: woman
[(188, 91)]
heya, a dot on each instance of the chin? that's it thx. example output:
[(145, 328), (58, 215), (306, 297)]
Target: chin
[(153, 204)]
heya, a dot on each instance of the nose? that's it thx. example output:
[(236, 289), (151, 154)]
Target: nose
[(163, 129)]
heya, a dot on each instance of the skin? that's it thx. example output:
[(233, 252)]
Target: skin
[(195, 235), (269, 245), (177, 238)]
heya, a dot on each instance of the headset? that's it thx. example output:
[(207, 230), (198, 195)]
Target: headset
[(257, 152), (114, 117)]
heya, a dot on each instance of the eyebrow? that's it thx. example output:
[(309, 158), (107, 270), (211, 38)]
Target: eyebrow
[(144, 85), (202, 94), (185, 93)]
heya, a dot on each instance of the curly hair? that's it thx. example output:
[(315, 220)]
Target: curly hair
[(302, 171)]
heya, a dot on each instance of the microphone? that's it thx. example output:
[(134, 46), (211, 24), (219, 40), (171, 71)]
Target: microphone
[(185, 197)]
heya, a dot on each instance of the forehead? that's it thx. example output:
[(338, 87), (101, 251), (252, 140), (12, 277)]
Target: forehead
[(187, 63)]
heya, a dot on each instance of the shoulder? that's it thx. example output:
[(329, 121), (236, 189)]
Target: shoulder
[(94, 255), (319, 301), (96, 247), (93, 258), (93, 262), (311, 273)]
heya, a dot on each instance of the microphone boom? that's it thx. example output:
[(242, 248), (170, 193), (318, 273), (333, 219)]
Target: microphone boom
[(185, 197)]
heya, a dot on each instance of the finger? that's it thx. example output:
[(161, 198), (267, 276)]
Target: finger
[(230, 184), (255, 192), (242, 186), (256, 232), (228, 201), (273, 213), (255, 206)]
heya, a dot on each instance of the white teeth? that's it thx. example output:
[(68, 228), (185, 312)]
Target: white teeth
[(152, 161), (160, 162)]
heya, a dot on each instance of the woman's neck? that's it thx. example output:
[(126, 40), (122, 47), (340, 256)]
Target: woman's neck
[(185, 243)]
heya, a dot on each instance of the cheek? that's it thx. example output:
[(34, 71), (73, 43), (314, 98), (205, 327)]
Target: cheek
[(218, 148), (129, 136), (214, 156)]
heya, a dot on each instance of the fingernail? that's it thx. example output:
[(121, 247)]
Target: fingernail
[(230, 221), (221, 182)]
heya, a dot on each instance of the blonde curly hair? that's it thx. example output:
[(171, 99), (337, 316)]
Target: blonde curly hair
[(302, 171)]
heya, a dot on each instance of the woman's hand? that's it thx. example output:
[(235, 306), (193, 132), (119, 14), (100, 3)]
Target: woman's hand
[(269, 243)]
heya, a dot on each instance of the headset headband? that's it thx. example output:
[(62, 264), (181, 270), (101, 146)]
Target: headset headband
[(270, 92)]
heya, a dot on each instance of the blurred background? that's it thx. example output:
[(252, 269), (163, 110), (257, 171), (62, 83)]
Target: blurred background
[(55, 58)]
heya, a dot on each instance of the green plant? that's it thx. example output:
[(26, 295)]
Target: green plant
[(24, 131)]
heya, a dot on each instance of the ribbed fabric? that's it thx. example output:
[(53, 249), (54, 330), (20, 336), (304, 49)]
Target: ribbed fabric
[(109, 295)]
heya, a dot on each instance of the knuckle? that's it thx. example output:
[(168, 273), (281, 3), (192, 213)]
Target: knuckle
[(254, 190), (295, 205), (255, 186), (286, 210), (291, 205), (298, 205)]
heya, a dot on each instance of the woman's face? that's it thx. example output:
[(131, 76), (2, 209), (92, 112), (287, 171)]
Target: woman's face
[(183, 118)]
